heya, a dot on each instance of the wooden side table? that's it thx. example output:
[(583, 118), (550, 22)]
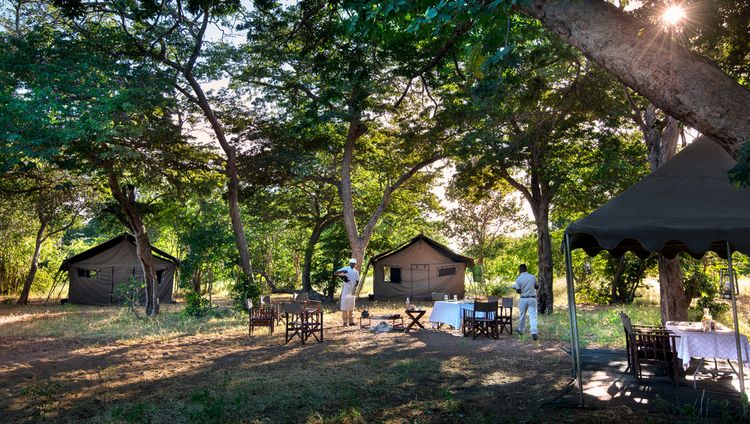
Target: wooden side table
[(415, 316)]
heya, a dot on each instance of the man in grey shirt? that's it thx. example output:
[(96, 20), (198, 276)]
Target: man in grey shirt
[(526, 286)]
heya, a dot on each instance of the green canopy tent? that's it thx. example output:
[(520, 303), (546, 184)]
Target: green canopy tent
[(687, 205)]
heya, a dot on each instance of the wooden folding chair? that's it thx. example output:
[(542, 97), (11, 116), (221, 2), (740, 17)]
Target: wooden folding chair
[(482, 320), (259, 317), (505, 316), (293, 312)]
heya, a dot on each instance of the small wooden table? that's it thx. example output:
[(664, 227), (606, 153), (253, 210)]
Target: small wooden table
[(414, 315)]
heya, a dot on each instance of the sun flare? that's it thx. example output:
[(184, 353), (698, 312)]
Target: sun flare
[(673, 15)]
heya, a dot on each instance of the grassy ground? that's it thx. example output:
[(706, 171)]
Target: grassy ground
[(104, 365)]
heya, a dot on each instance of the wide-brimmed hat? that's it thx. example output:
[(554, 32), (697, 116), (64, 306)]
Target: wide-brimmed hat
[(352, 261)]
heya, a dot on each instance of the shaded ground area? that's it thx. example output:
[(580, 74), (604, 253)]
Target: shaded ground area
[(608, 385), (210, 371)]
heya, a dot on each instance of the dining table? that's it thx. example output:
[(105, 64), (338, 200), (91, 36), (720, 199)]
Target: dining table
[(450, 312), (693, 342)]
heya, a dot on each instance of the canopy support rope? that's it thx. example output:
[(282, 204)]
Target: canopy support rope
[(574, 346)]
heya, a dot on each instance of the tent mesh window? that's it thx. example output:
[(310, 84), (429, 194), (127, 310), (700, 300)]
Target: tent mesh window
[(391, 275), (444, 272), (86, 273)]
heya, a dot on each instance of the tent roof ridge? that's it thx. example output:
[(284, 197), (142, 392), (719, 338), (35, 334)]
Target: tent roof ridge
[(95, 250), (435, 245)]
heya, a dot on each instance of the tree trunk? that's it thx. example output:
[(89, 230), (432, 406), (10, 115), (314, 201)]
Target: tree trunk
[(24, 298), (310, 249), (674, 302), (232, 173), (196, 280), (142, 242), (683, 84), (544, 254), (618, 288)]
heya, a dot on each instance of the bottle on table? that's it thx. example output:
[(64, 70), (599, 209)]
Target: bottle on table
[(706, 320)]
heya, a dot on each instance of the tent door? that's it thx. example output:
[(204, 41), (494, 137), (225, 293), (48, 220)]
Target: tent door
[(420, 279)]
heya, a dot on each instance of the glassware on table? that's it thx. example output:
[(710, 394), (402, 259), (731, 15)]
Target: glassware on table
[(706, 320), (445, 297), (455, 298)]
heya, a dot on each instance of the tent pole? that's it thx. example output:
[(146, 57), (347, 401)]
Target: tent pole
[(574, 346), (740, 363)]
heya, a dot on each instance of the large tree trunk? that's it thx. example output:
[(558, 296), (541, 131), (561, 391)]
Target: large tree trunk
[(674, 302), (142, 243), (544, 255), (685, 85), (24, 298), (356, 242), (318, 229), (232, 173)]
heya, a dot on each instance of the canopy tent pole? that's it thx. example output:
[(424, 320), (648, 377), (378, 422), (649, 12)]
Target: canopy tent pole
[(740, 363), (573, 320)]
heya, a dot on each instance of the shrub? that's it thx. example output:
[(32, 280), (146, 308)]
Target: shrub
[(698, 285), (243, 289), (196, 305), (130, 293), (499, 290)]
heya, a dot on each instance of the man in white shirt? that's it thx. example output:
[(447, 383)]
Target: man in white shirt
[(526, 286), (351, 278)]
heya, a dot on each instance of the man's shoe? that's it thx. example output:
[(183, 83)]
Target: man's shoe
[(534, 336)]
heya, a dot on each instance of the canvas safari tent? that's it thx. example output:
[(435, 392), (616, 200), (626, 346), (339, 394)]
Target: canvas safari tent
[(417, 269), (94, 275), (687, 205)]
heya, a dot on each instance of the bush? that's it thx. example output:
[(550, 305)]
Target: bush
[(243, 289), (698, 285), (130, 293), (499, 290), (196, 305)]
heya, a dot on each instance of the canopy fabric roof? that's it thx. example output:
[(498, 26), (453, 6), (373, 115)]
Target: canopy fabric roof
[(687, 205)]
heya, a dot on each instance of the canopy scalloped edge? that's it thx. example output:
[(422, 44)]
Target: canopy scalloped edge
[(592, 245)]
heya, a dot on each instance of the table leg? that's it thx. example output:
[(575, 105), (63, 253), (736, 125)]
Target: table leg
[(700, 364)]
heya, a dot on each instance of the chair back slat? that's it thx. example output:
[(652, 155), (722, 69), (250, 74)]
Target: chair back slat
[(293, 308), (507, 302), (485, 307)]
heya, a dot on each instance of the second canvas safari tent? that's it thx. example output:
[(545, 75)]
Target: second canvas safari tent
[(419, 268)]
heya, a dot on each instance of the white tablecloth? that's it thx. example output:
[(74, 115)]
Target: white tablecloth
[(718, 344), (449, 312)]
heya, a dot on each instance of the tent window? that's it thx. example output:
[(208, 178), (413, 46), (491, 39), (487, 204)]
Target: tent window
[(86, 273), (444, 272), (159, 275), (392, 275)]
